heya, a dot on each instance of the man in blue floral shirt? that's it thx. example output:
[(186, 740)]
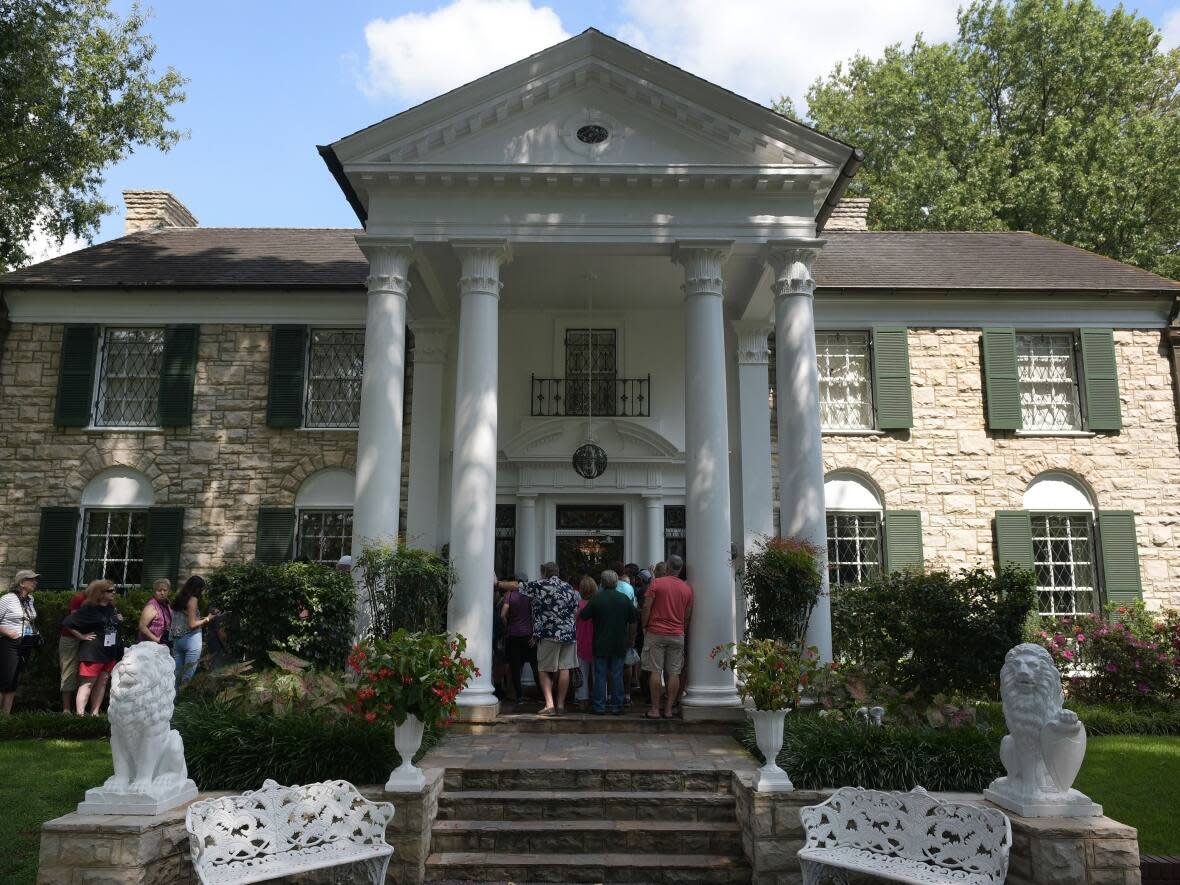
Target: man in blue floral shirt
[(555, 608)]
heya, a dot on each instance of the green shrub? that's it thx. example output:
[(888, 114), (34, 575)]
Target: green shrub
[(782, 582), (1101, 719), (290, 684), (228, 747), (52, 726), (936, 633), (819, 752), (405, 589), (262, 604)]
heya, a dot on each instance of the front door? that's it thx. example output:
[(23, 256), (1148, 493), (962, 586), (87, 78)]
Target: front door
[(589, 539)]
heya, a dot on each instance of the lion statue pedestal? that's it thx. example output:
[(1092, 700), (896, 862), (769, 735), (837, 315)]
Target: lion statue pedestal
[(1045, 744), (150, 773)]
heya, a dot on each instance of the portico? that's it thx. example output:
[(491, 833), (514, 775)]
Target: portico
[(591, 197)]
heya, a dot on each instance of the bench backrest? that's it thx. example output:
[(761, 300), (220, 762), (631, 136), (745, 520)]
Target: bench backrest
[(914, 826), (278, 819)]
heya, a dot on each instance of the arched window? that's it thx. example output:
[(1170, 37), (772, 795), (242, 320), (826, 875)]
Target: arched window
[(854, 514), (114, 526), (1061, 513), (324, 516)]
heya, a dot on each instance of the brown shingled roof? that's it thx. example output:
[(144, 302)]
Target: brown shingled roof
[(311, 258)]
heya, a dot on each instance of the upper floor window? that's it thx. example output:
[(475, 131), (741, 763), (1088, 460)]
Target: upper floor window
[(335, 364), (845, 380), (128, 390), (1046, 366)]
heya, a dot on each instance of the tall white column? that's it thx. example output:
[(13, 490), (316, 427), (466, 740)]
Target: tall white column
[(706, 443), (800, 458), (430, 352), (473, 476), (379, 434), (653, 512), (753, 353), (527, 558)]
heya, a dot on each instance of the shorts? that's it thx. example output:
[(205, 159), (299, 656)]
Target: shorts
[(67, 660), (553, 655), (90, 669), (663, 653)]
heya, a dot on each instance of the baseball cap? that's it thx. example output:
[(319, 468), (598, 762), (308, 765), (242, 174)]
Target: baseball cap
[(25, 574)]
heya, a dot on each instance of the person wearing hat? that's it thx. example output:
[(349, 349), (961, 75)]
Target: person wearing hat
[(18, 634), (344, 563)]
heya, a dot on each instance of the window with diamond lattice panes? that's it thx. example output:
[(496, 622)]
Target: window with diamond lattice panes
[(1046, 368), (324, 535), (128, 392), (335, 364), (854, 547), (590, 370), (113, 546), (845, 380), (1063, 562), (504, 558)]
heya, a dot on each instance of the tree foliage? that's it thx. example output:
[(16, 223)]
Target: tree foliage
[(77, 94), (1051, 116)]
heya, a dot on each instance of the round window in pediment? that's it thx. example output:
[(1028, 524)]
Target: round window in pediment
[(592, 133)]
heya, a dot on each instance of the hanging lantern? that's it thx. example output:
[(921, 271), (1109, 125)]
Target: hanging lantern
[(590, 461)]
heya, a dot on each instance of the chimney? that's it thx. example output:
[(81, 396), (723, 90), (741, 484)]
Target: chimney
[(851, 213), (148, 210)]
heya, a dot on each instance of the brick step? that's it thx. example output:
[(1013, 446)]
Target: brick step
[(688, 805), (585, 723), (500, 778), (586, 836), (656, 869)]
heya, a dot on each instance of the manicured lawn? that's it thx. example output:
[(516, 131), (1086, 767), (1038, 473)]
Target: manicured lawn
[(1133, 778), (41, 780)]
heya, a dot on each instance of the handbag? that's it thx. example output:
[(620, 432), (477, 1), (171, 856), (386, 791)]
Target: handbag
[(631, 658), (29, 643), (576, 678)]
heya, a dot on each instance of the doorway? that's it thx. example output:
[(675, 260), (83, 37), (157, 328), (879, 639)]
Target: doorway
[(589, 539)]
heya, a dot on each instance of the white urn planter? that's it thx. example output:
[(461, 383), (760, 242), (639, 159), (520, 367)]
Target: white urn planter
[(768, 731), (407, 777)]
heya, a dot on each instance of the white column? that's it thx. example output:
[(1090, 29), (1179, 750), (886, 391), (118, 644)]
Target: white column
[(800, 459), (473, 476), (653, 511), (379, 434), (527, 558), (706, 443), (430, 352), (753, 353)]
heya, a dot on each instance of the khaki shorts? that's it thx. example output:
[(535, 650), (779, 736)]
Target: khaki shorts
[(553, 655), (67, 659), (663, 653)]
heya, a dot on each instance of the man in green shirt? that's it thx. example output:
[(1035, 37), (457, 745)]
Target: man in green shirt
[(614, 619)]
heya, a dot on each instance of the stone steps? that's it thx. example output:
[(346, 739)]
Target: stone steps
[(603, 780), (642, 867), (587, 837), (562, 805), (581, 723)]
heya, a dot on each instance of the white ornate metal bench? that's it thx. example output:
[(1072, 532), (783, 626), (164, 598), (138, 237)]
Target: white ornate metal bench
[(278, 831), (906, 837)]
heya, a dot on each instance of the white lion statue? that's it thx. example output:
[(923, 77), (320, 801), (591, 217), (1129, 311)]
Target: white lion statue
[(150, 772), (1045, 744)]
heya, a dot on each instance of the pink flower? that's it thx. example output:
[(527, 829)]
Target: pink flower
[(1081, 637), (1067, 654), (1143, 688), (1112, 668)]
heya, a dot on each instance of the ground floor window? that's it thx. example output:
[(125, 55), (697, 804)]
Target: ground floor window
[(323, 536), (674, 532), (505, 557), (1063, 561), (113, 545), (854, 547)]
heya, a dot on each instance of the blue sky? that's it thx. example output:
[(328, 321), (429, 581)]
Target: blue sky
[(268, 81)]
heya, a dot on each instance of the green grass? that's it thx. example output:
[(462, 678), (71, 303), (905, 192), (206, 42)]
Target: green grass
[(1133, 779), (42, 780)]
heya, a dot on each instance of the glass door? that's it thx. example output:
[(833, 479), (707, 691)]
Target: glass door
[(589, 539)]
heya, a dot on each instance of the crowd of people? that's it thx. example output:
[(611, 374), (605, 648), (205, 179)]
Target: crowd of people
[(597, 639), (90, 641)]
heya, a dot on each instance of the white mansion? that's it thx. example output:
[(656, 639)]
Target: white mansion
[(592, 248)]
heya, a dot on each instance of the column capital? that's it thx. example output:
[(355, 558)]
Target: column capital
[(431, 338), (791, 261), (702, 261), (527, 499), (481, 261), (753, 341), (389, 263)]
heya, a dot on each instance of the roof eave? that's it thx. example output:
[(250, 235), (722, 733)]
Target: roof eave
[(328, 153)]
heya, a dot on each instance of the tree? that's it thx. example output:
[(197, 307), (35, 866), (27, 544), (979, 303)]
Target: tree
[(1045, 115), (77, 94)]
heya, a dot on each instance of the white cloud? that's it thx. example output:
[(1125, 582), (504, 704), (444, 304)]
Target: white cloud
[(418, 56), (766, 48), (1171, 30)]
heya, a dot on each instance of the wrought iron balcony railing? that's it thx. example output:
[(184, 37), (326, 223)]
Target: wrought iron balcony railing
[(611, 397)]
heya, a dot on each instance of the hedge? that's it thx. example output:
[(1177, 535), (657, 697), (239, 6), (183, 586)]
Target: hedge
[(53, 726)]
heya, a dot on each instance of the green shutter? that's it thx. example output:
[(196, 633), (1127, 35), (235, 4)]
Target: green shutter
[(1014, 539), (1120, 556), (903, 541), (75, 381), (57, 543), (161, 554), (288, 356), (276, 531), (1100, 380), (177, 370), (891, 378), (1000, 382)]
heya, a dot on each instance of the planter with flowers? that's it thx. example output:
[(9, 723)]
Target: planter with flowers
[(412, 679), (773, 675)]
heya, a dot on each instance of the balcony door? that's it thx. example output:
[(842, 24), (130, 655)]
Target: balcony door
[(589, 539), (591, 365)]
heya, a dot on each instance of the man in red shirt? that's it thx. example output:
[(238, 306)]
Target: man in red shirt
[(67, 657), (667, 610)]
